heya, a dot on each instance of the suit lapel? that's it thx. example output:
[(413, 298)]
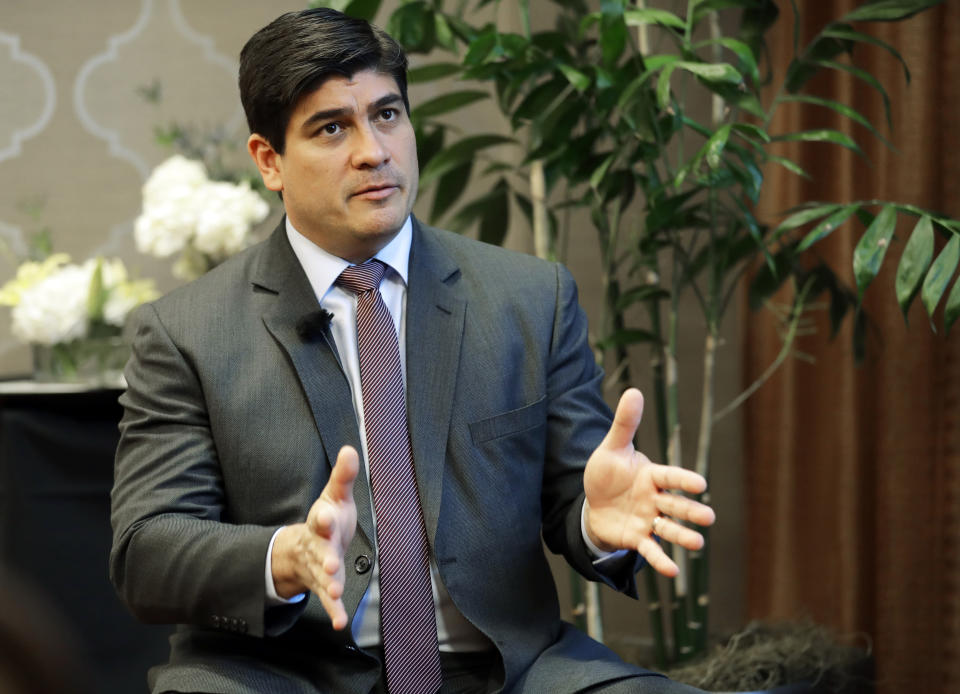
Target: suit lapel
[(435, 314), (314, 358)]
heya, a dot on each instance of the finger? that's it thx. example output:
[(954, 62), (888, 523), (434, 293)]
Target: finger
[(625, 420), (334, 609), (657, 558), (673, 477), (340, 485), (673, 532), (684, 509), (323, 521)]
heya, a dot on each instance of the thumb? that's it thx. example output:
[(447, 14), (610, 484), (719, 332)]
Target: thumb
[(625, 420), (340, 485)]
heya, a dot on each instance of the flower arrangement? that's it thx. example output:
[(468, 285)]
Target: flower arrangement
[(203, 220), (72, 314)]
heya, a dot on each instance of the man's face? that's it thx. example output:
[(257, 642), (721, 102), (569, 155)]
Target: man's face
[(349, 171)]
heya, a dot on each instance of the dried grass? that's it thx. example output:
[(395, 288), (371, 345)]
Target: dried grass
[(767, 655)]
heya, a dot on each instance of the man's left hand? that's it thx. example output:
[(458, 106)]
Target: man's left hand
[(626, 494)]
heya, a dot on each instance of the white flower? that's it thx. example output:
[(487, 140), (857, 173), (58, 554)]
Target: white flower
[(227, 213), (54, 309), (184, 211), (175, 178)]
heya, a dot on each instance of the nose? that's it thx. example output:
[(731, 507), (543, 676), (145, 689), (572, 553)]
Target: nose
[(370, 151)]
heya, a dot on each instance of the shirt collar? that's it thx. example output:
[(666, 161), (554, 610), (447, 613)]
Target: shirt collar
[(323, 268)]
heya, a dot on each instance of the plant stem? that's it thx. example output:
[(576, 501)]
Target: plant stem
[(542, 242), (788, 340), (699, 565)]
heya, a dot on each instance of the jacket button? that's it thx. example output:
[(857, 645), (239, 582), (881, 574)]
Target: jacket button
[(362, 564)]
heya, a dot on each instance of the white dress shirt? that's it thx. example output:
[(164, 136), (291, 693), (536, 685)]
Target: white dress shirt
[(454, 632)]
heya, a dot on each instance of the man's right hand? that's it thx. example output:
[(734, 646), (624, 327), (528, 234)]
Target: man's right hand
[(309, 556)]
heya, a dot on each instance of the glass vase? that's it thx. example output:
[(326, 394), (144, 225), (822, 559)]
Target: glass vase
[(93, 361)]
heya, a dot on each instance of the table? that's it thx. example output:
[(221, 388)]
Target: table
[(57, 444)]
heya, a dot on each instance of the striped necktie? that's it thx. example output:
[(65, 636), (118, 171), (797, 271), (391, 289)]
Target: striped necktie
[(407, 614)]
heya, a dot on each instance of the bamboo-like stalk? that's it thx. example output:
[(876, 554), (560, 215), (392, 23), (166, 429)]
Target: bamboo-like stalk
[(577, 600), (542, 243), (699, 561), (678, 586)]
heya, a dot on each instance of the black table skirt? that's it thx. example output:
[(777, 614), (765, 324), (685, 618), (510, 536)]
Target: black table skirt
[(56, 471)]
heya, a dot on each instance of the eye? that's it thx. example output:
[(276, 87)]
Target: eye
[(330, 129), (388, 114)]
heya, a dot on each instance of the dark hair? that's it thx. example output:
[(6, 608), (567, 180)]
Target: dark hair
[(296, 52)]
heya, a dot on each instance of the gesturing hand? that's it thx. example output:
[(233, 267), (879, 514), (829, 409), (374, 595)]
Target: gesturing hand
[(627, 494), (309, 556)]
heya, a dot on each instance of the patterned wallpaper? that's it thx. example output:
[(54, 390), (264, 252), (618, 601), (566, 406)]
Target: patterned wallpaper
[(76, 131)]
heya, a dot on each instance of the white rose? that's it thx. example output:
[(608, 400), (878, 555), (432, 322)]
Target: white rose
[(55, 309)]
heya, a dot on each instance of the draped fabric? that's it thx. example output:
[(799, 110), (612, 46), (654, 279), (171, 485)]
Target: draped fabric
[(853, 472)]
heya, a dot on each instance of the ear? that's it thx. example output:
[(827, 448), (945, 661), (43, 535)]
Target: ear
[(267, 160)]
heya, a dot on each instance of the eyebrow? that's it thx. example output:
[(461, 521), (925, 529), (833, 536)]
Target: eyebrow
[(332, 113)]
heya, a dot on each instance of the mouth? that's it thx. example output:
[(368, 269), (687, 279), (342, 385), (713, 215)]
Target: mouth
[(377, 191)]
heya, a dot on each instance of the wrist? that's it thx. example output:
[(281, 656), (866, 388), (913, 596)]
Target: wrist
[(286, 580), (591, 536)]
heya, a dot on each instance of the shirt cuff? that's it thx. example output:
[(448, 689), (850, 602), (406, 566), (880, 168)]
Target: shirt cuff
[(597, 554), (274, 600)]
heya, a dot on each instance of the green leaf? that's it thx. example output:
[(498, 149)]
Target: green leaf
[(865, 76), (643, 293), (597, 176), (413, 27), (825, 135), (805, 216), (449, 189), (496, 217), (713, 148), (457, 154), (755, 20), (613, 33), (848, 34), (952, 310), (428, 73), (840, 108), (712, 72), (742, 51), (538, 100), (622, 338), (578, 79), (769, 279), (663, 86), (827, 226), (445, 103), (97, 295), (481, 47), (941, 272), (872, 247), (444, 33), (888, 10), (788, 164), (914, 263), (639, 17), (363, 9), (704, 7)]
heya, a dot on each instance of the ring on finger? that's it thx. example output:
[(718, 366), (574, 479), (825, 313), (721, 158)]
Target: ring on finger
[(656, 521)]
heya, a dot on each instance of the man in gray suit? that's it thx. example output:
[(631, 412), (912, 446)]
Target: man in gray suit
[(242, 506)]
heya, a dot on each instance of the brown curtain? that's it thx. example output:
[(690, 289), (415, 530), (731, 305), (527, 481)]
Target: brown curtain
[(853, 472)]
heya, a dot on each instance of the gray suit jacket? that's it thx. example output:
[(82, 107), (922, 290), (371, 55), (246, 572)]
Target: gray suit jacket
[(234, 414)]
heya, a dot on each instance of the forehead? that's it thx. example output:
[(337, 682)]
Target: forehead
[(340, 91)]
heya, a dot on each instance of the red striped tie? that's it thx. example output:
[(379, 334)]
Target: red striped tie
[(407, 614)]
